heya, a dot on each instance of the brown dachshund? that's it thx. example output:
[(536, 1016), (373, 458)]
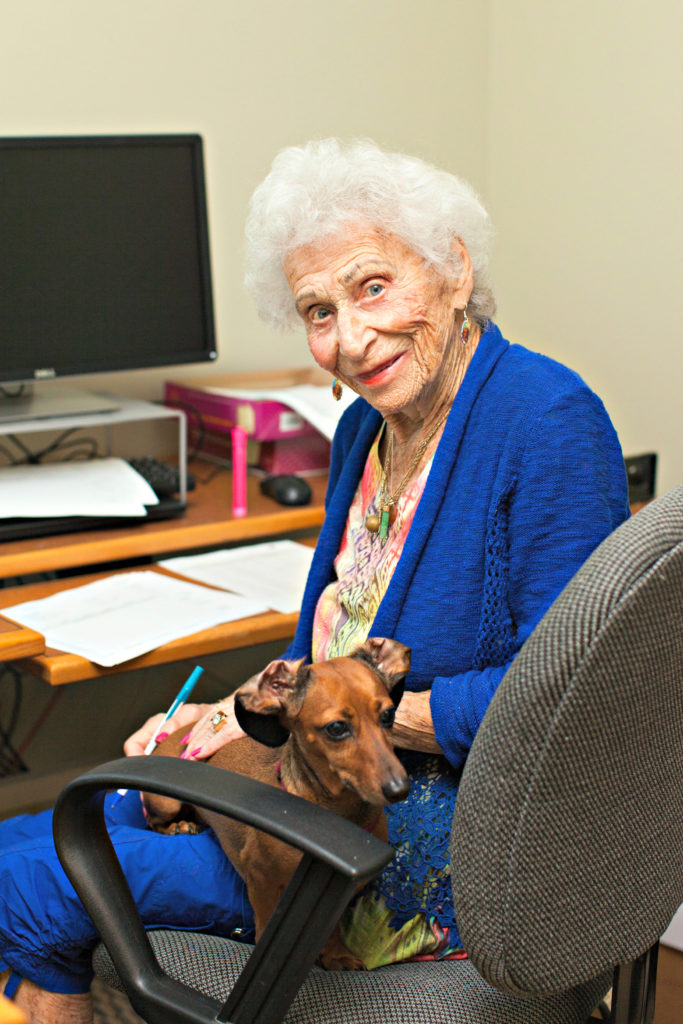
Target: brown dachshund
[(322, 732)]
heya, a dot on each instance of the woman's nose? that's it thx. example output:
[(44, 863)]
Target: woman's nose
[(354, 333)]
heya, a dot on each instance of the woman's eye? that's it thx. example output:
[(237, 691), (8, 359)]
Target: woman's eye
[(320, 313), (337, 730), (375, 289)]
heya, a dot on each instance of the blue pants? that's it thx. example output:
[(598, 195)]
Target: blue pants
[(183, 882)]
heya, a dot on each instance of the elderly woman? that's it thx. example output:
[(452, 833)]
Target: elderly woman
[(468, 483)]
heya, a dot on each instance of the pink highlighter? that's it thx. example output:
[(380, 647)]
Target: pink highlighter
[(239, 472)]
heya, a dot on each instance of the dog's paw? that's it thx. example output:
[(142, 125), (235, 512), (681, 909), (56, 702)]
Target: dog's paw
[(336, 957), (181, 828), (344, 962)]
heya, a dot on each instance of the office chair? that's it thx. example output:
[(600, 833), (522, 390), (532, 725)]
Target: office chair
[(567, 840)]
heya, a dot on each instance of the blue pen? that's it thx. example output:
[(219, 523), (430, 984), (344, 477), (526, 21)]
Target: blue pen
[(185, 691)]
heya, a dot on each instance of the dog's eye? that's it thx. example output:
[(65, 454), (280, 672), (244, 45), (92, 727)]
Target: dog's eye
[(337, 730), (386, 719)]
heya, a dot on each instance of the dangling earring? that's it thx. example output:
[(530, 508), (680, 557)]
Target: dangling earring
[(464, 327), (336, 389)]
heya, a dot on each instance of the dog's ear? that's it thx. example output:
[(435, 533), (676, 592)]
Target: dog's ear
[(390, 657), (260, 701)]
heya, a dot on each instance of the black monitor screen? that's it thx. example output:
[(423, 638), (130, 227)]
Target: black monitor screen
[(104, 255)]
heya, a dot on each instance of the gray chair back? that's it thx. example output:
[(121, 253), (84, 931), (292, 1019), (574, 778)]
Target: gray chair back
[(567, 848)]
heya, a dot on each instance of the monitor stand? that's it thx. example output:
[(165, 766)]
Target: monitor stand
[(52, 401)]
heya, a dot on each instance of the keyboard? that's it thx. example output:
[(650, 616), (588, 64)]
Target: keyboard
[(162, 478)]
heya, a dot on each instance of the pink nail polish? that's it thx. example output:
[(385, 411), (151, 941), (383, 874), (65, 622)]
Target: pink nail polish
[(183, 755), (185, 738), (162, 736), (195, 752)]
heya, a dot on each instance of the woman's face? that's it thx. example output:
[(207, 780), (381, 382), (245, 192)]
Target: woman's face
[(378, 317)]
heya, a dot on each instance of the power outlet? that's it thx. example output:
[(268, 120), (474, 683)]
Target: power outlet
[(641, 471)]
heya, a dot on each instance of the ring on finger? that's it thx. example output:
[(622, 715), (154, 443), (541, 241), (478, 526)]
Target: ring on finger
[(218, 721)]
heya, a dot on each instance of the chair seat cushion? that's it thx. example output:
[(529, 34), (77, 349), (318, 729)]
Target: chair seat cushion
[(451, 992)]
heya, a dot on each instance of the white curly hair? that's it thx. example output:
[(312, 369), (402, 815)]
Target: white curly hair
[(313, 191)]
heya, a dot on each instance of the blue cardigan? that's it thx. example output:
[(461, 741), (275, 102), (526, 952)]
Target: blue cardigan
[(527, 479)]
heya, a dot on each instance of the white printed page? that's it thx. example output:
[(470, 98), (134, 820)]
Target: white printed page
[(123, 616), (273, 573), (92, 487)]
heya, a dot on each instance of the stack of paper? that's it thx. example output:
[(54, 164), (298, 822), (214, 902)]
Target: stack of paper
[(311, 401), (273, 573), (93, 487), (126, 615)]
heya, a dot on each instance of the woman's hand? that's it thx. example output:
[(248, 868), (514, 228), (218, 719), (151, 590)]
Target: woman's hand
[(185, 715), (215, 728), (413, 727)]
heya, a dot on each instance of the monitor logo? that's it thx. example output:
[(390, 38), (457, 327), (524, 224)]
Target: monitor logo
[(45, 373)]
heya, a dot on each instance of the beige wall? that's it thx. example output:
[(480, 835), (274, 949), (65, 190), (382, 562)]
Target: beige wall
[(584, 176), (251, 77), (566, 118)]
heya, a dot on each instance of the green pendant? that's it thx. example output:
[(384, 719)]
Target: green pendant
[(384, 522)]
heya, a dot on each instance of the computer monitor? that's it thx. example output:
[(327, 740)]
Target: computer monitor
[(104, 262)]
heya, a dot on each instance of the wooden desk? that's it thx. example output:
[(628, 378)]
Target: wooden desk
[(18, 641), (208, 523), (58, 667)]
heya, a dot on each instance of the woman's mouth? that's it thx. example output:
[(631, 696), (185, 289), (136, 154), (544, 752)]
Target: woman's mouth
[(379, 373)]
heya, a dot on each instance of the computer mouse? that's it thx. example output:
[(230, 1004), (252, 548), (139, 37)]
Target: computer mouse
[(287, 489)]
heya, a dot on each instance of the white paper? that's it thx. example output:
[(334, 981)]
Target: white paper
[(92, 487), (273, 573), (125, 615), (315, 403)]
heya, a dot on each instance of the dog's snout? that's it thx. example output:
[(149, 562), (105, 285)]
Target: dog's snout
[(396, 788)]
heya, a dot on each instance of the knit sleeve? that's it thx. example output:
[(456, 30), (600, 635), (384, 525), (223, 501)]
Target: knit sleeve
[(568, 491)]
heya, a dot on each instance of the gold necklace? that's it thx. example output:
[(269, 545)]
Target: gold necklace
[(387, 504)]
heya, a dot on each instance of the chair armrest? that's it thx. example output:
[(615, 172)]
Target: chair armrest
[(337, 858)]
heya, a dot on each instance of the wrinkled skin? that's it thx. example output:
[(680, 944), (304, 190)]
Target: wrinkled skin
[(384, 322)]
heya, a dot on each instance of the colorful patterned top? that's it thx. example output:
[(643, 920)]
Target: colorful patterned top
[(344, 614), (364, 565)]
